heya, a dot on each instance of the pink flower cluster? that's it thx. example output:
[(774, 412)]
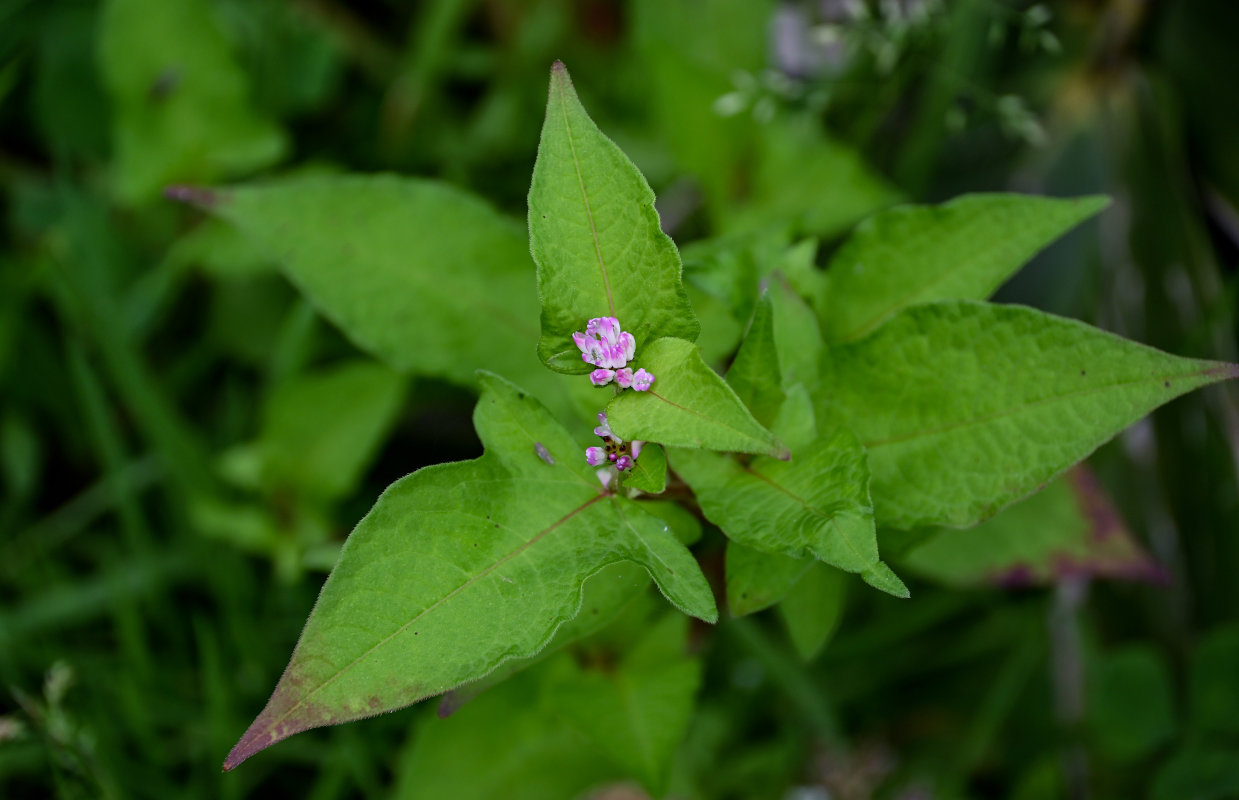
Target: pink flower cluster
[(614, 450), (610, 349)]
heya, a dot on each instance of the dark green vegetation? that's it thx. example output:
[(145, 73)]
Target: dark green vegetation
[(185, 440)]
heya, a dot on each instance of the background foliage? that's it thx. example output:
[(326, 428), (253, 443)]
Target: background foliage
[(185, 440)]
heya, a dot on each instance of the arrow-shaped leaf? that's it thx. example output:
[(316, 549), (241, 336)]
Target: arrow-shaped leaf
[(595, 236), (460, 567), (688, 406), (965, 407)]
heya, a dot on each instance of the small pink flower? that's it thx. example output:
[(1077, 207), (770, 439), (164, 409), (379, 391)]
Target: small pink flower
[(627, 346), (613, 451), (601, 377), (604, 429), (605, 328), (604, 345), (642, 381), (623, 377)]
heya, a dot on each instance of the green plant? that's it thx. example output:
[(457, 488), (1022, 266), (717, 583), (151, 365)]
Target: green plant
[(883, 391)]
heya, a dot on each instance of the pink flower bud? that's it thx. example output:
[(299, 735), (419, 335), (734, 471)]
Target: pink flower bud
[(605, 328), (601, 377), (624, 463), (595, 456), (628, 346), (624, 377), (642, 381)]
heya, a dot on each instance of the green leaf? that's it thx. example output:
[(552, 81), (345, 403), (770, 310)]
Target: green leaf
[(961, 250), (604, 596), (754, 374), (813, 608), (180, 111), (817, 504), (649, 473), (637, 712), (1131, 703), (799, 265), (529, 752), (757, 579), (425, 276), (966, 407), (497, 547), (796, 333), (595, 236), (1067, 529), (689, 405), (321, 430)]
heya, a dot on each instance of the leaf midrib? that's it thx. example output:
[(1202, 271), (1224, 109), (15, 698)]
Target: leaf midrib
[(589, 211), (981, 420), (711, 420), (830, 520)]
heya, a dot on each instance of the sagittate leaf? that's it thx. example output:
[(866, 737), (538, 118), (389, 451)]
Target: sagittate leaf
[(815, 505), (595, 236), (965, 407), (497, 547), (1069, 528), (180, 105), (689, 405), (637, 712), (961, 250)]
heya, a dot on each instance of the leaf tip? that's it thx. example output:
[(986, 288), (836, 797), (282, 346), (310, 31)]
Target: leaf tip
[(199, 196), (253, 740), (880, 577)]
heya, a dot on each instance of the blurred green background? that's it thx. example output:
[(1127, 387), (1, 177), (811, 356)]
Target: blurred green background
[(184, 441)]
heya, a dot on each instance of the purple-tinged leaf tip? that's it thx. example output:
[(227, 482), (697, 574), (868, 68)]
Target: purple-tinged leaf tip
[(192, 195), (287, 712)]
